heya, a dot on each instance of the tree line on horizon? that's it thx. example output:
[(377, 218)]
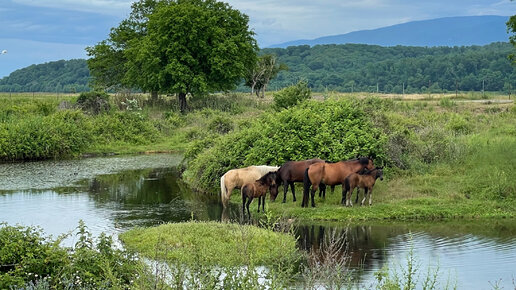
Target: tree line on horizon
[(343, 68)]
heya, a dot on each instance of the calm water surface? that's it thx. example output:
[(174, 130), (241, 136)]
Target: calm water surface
[(115, 194)]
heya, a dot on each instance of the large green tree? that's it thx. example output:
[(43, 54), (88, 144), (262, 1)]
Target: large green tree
[(511, 28), (178, 47)]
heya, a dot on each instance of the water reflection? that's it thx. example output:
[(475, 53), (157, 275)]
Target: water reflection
[(473, 253)]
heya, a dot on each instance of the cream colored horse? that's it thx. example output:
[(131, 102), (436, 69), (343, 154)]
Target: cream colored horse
[(236, 178)]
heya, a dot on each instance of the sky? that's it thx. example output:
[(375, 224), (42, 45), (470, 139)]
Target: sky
[(38, 31)]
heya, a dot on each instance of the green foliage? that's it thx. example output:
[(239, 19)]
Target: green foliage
[(63, 76), (333, 130), (94, 102), (511, 27), (123, 127), (258, 76), (360, 67), (59, 135), (291, 96), (220, 124), (29, 258), (210, 243), (176, 47)]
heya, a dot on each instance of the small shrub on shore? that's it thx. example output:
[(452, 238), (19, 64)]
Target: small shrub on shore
[(29, 259)]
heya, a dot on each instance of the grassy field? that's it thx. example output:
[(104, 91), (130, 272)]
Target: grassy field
[(460, 165)]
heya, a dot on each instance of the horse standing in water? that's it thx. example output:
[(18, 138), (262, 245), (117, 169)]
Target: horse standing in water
[(236, 178), (293, 171), (331, 174), (365, 181), (258, 189)]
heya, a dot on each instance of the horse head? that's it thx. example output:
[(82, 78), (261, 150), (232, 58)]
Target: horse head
[(366, 162), (379, 172)]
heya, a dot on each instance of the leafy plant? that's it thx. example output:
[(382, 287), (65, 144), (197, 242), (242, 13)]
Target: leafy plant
[(292, 95)]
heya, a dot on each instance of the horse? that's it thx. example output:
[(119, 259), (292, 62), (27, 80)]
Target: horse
[(290, 172), (331, 174), (258, 189), (236, 178), (365, 181)]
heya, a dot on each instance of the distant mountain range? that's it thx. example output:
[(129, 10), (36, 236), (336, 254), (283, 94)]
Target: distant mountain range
[(449, 31)]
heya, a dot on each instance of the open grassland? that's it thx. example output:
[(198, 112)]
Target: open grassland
[(445, 160)]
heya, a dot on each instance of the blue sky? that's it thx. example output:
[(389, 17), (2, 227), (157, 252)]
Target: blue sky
[(37, 31)]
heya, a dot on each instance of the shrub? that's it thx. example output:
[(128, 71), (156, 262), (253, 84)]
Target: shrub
[(333, 130), (62, 134), (28, 258), (94, 102), (290, 96), (220, 124)]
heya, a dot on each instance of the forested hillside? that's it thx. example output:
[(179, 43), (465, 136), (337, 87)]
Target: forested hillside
[(56, 76), (348, 67), (362, 67)]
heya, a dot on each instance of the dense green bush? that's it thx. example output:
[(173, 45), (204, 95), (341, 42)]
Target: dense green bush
[(62, 134), (331, 130), (28, 258), (292, 95), (94, 102), (220, 124)]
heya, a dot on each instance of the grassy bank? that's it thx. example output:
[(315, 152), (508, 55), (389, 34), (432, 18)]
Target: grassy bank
[(35, 127), (210, 243)]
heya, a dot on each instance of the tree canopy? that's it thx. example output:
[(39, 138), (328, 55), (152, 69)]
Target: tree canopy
[(511, 28), (176, 47)]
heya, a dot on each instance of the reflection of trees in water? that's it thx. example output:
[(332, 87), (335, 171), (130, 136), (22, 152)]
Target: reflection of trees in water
[(364, 245), (148, 197)]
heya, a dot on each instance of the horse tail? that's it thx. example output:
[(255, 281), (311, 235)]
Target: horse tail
[(223, 194), (306, 187)]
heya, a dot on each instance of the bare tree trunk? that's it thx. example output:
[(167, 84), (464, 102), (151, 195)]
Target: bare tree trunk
[(182, 102), (154, 97)]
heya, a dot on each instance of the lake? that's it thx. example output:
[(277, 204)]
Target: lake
[(114, 194)]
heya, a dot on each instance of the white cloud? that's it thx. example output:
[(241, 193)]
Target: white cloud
[(115, 7)]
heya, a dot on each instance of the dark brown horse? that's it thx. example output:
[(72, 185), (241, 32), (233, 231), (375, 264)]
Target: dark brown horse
[(331, 174), (258, 189), (290, 172), (365, 181)]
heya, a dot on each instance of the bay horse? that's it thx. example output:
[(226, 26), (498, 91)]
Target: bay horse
[(236, 178), (331, 174), (290, 172), (365, 181), (258, 189)]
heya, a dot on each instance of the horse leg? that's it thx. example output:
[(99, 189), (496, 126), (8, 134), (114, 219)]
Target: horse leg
[(344, 199), (370, 196), (243, 204), (247, 205), (263, 203), (285, 189), (228, 193), (292, 187), (259, 202), (332, 189), (358, 193), (322, 190), (365, 196), (314, 189)]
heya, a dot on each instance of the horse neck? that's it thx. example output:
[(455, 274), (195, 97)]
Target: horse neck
[(367, 179)]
